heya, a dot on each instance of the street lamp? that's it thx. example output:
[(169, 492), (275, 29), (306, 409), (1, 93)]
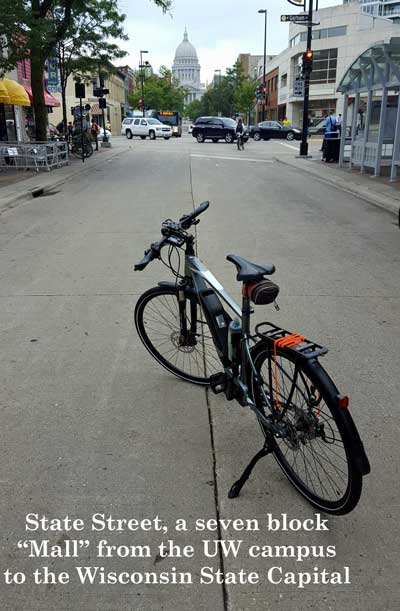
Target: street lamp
[(219, 76), (141, 69), (263, 10)]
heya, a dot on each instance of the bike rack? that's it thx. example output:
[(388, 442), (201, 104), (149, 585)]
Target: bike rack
[(306, 349)]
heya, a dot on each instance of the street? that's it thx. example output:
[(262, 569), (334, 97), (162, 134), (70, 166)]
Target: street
[(92, 424)]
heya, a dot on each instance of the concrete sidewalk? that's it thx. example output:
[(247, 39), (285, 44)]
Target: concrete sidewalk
[(375, 190), (18, 187)]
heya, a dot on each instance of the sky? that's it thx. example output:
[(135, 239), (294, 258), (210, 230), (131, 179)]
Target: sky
[(219, 30)]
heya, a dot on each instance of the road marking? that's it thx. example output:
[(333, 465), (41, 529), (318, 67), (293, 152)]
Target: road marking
[(290, 146), (232, 158)]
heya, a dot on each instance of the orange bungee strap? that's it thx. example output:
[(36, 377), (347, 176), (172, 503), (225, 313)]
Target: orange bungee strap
[(289, 341)]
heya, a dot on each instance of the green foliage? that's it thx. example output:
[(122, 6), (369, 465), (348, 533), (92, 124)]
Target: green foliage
[(161, 92), (35, 28), (194, 110), (230, 94)]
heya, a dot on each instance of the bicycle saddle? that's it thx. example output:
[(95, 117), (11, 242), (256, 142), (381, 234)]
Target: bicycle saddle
[(248, 271)]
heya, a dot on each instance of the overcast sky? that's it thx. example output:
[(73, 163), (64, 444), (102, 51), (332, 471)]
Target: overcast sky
[(219, 29)]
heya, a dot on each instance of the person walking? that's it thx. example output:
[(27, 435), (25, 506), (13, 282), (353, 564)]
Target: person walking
[(95, 130), (286, 122), (330, 123), (339, 124), (239, 134)]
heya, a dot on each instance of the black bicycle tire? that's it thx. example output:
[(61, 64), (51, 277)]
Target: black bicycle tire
[(343, 420), (140, 327)]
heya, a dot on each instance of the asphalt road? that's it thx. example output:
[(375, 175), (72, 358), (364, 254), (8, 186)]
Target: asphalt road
[(90, 424)]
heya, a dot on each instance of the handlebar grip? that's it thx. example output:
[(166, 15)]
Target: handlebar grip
[(148, 257), (202, 208), (151, 254), (187, 220)]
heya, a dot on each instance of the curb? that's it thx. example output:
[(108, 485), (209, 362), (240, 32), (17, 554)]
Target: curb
[(42, 189), (381, 201)]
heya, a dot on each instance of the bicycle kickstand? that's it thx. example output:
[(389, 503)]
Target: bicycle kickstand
[(238, 485)]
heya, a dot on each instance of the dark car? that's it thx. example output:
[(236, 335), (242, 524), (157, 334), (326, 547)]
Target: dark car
[(216, 128), (273, 129)]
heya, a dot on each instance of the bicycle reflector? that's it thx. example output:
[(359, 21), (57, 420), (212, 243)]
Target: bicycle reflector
[(343, 401)]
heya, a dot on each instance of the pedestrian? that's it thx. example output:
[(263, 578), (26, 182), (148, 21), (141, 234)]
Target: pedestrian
[(339, 124), (286, 122), (95, 130), (70, 129), (330, 123), (240, 134), (60, 128)]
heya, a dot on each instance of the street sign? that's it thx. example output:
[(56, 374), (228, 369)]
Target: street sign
[(298, 88), (294, 18), (298, 3)]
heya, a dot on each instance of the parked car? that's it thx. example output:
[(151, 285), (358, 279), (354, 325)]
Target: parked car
[(318, 127), (101, 133), (216, 128), (273, 129), (145, 128)]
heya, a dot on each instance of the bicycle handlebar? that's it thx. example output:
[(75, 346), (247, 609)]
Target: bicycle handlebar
[(187, 219), (185, 222), (152, 253)]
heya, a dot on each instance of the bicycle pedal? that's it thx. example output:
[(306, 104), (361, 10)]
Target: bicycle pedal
[(218, 383)]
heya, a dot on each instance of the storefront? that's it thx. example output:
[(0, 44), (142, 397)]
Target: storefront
[(50, 101), (13, 99)]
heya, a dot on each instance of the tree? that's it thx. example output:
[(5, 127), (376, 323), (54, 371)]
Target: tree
[(162, 92), (86, 48), (245, 97), (33, 29), (194, 110)]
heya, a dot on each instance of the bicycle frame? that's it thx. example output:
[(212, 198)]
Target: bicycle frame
[(202, 280)]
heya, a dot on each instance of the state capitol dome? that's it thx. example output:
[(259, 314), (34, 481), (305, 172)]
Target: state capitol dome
[(186, 69)]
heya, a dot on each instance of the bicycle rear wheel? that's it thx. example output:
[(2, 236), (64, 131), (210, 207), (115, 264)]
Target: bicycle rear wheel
[(192, 358), (316, 455)]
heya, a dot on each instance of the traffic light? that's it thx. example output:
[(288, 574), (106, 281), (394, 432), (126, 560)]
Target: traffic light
[(307, 62), (98, 92), (80, 90), (141, 104)]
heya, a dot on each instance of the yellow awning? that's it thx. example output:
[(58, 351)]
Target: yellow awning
[(4, 97), (16, 93)]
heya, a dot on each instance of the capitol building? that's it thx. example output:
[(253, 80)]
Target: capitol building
[(186, 69)]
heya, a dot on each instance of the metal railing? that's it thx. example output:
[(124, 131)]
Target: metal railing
[(33, 156)]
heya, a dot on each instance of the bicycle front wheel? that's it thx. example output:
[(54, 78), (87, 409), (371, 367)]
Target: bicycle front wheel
[(191, 356), (316, 453)]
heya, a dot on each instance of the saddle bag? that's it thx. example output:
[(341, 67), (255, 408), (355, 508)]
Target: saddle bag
[(262, 292)]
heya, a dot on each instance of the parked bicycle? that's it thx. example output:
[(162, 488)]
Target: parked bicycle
[(304, 419), (76, 145)]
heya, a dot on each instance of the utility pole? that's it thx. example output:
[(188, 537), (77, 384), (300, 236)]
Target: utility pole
[(307, 73), (265, 61), (141, 68)]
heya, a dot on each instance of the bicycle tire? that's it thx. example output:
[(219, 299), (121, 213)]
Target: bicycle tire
[(193, 364), (330, 495), (88, 148)]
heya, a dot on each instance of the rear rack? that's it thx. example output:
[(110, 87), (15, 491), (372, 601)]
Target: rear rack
[(305, 349)]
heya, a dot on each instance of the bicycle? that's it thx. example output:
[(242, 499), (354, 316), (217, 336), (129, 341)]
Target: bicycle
[(305, 421), (240, 140), (76, 146)]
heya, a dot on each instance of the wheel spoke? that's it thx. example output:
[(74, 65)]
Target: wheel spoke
[(314, 456), (161, 321)]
